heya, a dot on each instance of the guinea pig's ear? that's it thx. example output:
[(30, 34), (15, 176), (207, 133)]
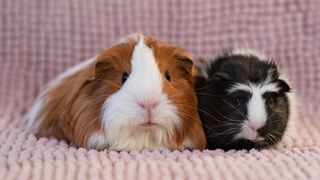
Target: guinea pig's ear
[(186, 63), (220, 76), (101, 66), (284, 87)]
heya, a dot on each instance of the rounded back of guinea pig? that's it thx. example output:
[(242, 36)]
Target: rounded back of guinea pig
[(136, 95), (243, 103)]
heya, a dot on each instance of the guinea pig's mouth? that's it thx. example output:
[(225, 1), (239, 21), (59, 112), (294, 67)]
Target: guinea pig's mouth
[(258, 139), (149, 124)]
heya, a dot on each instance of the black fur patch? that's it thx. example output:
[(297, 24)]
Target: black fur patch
[(222, 113)]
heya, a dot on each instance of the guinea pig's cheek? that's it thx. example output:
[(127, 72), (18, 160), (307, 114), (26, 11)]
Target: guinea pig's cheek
[(119, 111), (167, 113)]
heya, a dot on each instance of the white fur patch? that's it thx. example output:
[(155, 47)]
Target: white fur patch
[(187, 144), (132, 37), (269, 87), (256, 110), (32, 114), (122, 116), (240, 87), (248, 52), (137, 138), (247, 133), (98, 141), (257, 114), (71, 71)]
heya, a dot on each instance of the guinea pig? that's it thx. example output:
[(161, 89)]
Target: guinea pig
[(244, 103), (136, 95)]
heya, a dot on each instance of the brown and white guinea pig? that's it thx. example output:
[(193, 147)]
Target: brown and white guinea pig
[(243, 101), (136, 95)]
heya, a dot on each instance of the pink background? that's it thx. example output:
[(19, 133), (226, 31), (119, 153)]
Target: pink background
[(40, 39)]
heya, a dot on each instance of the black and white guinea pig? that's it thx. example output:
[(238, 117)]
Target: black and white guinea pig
[(243, 101), (136, 95)]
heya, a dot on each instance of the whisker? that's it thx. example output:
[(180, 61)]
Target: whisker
[(210, 115), (233, 139), (198, 109), (282, 134), (232, 120), (227, 132), (226, 124), (275, 121), (199, 88), (275, 138), (207, 94), (222, 139), (184, 114), (270, 139), (234, 107)]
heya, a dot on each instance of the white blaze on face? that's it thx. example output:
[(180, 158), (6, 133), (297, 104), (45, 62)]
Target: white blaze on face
[(122, 116), (145, 81), (256, 108), (257, 115)]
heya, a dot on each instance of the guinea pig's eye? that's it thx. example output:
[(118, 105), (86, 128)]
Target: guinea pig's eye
[(167, 75), (239, 101), (271, 102), (271, 99), (125, 76)]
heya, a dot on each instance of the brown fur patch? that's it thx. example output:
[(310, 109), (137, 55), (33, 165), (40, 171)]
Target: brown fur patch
[(180, 91), (73, 107), (73, 110)]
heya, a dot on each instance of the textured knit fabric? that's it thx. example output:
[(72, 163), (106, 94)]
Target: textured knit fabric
[(40, 39)]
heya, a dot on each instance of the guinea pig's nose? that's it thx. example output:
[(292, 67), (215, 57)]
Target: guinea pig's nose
[(254, 127), (148, 104)]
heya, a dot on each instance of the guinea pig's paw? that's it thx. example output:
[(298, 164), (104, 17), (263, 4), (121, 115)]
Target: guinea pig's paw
[(98, 140)]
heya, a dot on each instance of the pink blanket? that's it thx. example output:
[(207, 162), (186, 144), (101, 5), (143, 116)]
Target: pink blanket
[(40, 39)]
